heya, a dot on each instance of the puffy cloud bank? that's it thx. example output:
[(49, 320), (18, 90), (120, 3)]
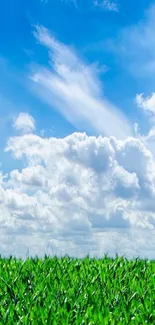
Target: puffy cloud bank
[(78, 195)]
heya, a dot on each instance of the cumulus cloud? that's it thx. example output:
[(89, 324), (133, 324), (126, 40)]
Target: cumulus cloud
[(77, 195), (72, 87), (24, 122), (147, 104)]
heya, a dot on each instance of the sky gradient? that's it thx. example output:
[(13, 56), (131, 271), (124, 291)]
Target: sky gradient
[(77, 127)]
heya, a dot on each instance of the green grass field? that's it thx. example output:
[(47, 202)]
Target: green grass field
[(74, 291)]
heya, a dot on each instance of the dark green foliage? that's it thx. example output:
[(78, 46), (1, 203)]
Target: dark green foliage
[(64, 291)]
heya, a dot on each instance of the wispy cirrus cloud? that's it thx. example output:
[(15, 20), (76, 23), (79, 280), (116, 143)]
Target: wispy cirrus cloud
[(107, 5), (136, 46), (73, 87)]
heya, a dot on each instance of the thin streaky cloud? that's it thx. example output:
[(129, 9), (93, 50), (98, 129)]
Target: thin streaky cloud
[(136, 47), (73, 88), (107, 5)]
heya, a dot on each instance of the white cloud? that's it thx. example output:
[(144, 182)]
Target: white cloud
[(78, 195), (72, 87), (147, 104), (107, 5), (24, 122)]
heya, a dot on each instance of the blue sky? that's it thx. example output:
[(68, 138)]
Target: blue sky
[(96, 34), (77, 126)]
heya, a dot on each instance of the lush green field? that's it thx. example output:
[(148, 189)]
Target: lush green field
[(74, 291)]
